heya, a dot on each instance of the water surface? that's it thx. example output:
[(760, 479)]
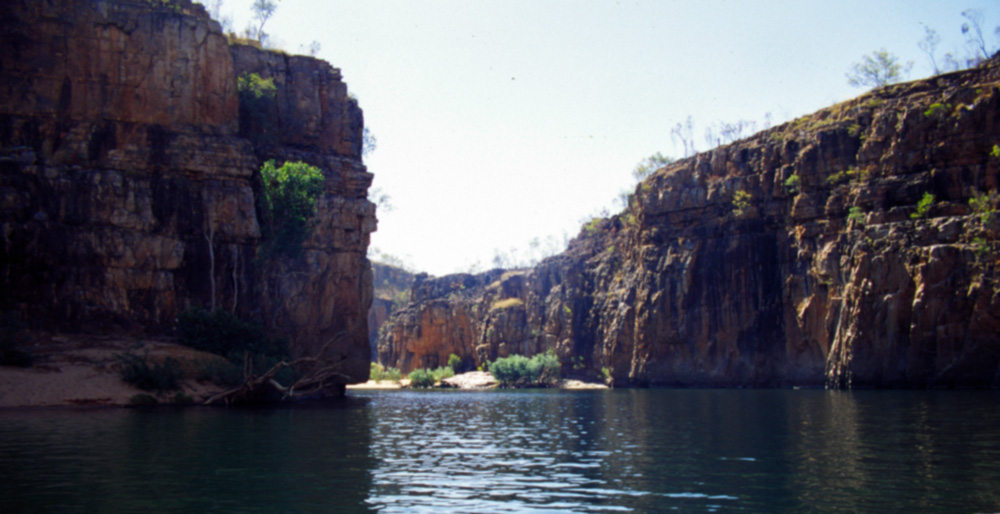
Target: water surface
[(522, 451)]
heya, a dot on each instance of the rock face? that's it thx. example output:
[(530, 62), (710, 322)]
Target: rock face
[(391, 287), (128, 187), (800, 256)]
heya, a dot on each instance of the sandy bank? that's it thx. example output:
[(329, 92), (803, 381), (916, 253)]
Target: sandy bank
[(80, 370)]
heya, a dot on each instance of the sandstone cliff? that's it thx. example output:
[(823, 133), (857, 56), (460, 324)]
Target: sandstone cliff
[(801, 256), (391, 286), (128, 187)]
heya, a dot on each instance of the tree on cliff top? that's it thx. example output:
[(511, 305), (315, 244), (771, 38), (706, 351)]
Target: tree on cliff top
[(879, 69), (262, 11)]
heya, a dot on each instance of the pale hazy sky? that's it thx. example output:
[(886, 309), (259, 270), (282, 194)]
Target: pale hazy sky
[(507, 120)]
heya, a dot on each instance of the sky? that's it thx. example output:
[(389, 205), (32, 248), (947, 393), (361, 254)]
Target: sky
[(503, 121)]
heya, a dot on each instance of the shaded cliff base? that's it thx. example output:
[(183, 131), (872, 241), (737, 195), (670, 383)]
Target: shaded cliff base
[(77, 370)]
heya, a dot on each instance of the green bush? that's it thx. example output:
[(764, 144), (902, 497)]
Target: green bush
[(421, 378), (380, 373), (223, 333), (520, 371), (741, 203), (937, 110), (983, 205), (428, 378), (257, 103), (137, 371), (792, 183), (856, 215), (289, 202), (923, 206), (454, 362)]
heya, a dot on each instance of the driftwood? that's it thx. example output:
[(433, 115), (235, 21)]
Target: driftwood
[(263, 388)]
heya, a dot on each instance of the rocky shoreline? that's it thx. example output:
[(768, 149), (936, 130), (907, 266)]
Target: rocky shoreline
[(473, 380)]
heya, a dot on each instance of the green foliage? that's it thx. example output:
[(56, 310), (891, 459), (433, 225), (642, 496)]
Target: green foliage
[(252, 85), (982, 247), (984, 206), (593, 227), (606, 374), (741, 202), (649, 165), (854, 130), (257, 103), (792, 183), (995, 152), (937, 110), (423, 378), (856, 215), (923, 206), (289, 203), (879, 69), (222, 333), (181, 398), (380, 373), (520, 371), (13, 341), (854, 175), (454, 362), (137, 371)]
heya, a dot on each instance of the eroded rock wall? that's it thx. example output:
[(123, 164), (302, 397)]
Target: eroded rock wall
[(727, 271), (128, 189)]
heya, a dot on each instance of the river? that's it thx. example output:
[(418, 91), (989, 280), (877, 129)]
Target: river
[(516, 451)]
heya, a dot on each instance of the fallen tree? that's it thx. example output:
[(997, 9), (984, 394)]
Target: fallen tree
[(317, 379)]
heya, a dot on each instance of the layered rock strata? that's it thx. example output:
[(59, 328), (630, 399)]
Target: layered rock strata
[(128, 188), (839, 249)]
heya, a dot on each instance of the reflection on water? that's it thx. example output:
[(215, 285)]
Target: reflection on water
[(689, 450), (185, 460), (525, 451)]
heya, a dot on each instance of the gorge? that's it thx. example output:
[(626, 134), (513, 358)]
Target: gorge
[(854, 247)]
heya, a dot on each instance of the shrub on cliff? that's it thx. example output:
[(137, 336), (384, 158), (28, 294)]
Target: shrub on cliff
[(520, 371), (257, 101), (288, 202)]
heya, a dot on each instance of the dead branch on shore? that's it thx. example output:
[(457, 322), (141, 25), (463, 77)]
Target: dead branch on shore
[(258, 389)]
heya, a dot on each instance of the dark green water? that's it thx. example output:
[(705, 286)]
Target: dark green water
[(535, 451)]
